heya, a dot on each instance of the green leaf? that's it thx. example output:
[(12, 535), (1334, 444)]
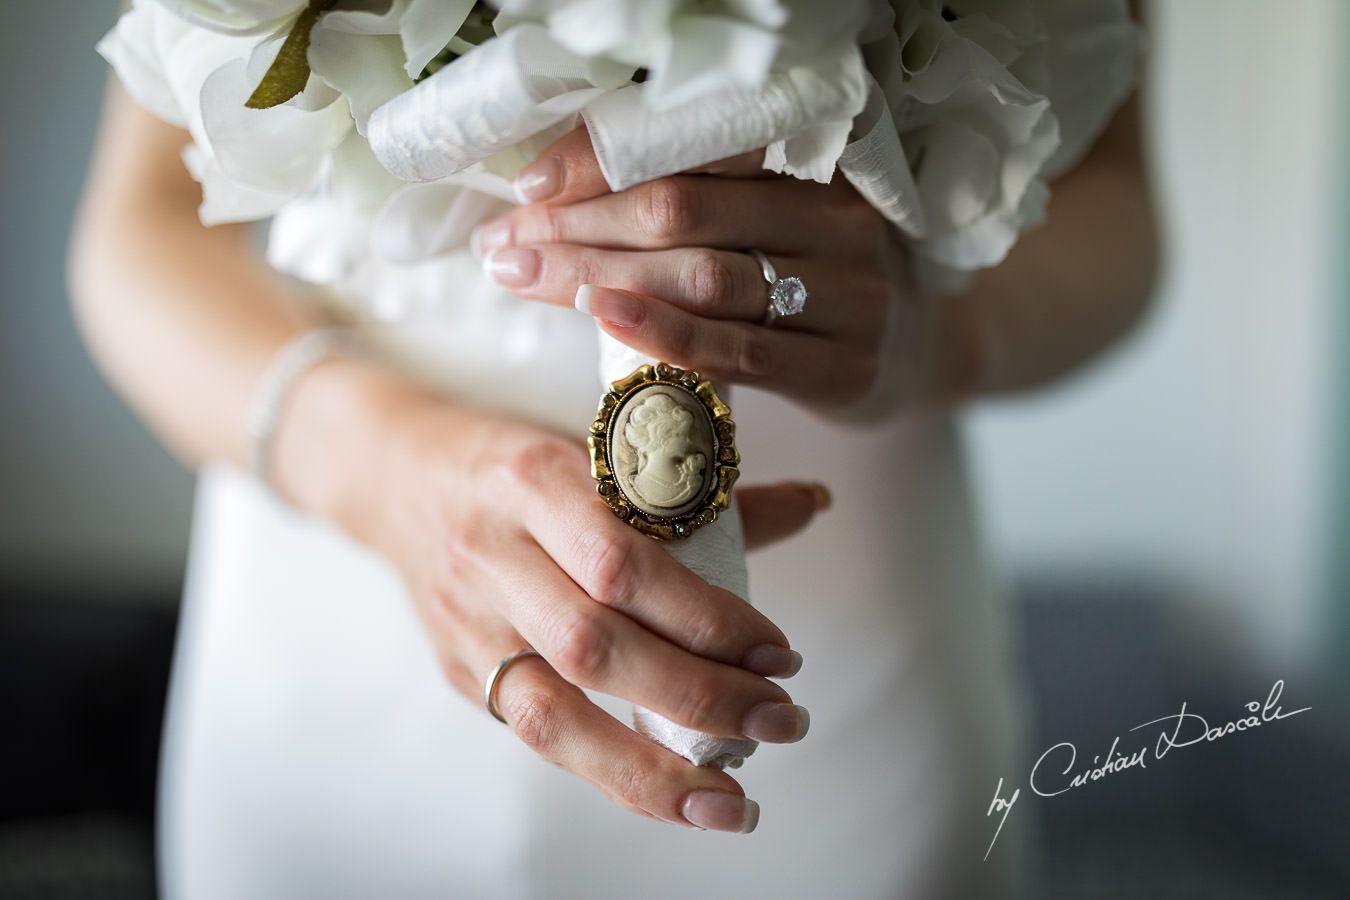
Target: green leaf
[(289, 72)]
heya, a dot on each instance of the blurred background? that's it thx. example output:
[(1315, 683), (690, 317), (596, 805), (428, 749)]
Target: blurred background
[(1172, 523)]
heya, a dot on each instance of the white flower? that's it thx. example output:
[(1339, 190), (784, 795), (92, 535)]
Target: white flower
[(975, 137), (241, 17), (970, 85), (948, 117), (695, 47), (196, 62)]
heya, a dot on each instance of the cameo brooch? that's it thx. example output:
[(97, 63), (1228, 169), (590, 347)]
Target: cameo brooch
[(663, 451)]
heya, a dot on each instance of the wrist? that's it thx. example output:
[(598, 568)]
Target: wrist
[(336, 448)]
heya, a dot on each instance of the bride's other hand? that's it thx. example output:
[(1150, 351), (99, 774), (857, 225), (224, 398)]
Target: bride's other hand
[(498, 532), (670, 274), (671, 277)]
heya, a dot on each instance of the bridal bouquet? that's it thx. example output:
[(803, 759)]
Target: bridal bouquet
[(379, 133), (380, 127)]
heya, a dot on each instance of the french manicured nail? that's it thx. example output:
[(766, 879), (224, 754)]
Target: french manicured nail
[(612, 306), (489, 237), (777, 723), (772, 660), (540, 180), (513, 266), (717, 811)]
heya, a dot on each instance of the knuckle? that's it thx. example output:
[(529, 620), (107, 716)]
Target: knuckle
[(462, 558), (628, 781), (580, 648), (533, 714), (711, 627), (460, 551), (750, 355), (710, 281), (668, 208), (681, 342), (532, 467), (710, 630), (606, 564), (586, 269), (698, 707), (548, 224)]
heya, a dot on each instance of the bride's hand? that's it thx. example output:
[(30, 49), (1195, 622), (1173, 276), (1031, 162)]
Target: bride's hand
[(671, 277), (497, 530)]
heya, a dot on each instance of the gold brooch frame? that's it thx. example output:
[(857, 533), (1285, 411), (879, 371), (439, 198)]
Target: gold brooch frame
[(716, 496)]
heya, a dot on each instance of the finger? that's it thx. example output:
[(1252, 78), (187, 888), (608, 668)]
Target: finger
[(595, 647), (715, 284), (621, 570), (771, 513), (565, 172), (781, 216), (809, 368), (557, 721)]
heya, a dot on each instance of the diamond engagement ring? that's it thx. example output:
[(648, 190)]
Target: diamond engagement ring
[(787, 296)]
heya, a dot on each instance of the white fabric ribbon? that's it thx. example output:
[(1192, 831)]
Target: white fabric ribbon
[(502, 93), (806, 111)]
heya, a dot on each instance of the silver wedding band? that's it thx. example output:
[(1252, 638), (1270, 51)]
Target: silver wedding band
[(787, 295), (490, 688)]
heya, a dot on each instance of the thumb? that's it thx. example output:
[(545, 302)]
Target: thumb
[(772, 512)]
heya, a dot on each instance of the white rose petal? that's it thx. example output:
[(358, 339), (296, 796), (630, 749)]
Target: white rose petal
[(223, 198), (280, 150), (705, 54), (239, 17), (367, 69), (133, 51), (592, 27), (959, 174), (427, 27), (425, 220)]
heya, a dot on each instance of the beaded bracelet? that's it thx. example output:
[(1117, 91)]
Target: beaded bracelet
[(292, 362)]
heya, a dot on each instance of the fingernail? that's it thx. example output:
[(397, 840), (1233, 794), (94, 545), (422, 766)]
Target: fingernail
[(513, 266), (489, 237), (772, 660), (777, 723), (820, 493), (717, 811), (540, 180), (612, 306)]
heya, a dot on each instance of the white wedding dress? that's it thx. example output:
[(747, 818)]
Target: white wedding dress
[(314, 750)]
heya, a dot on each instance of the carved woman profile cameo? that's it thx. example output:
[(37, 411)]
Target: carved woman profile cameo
[(663, 450)]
